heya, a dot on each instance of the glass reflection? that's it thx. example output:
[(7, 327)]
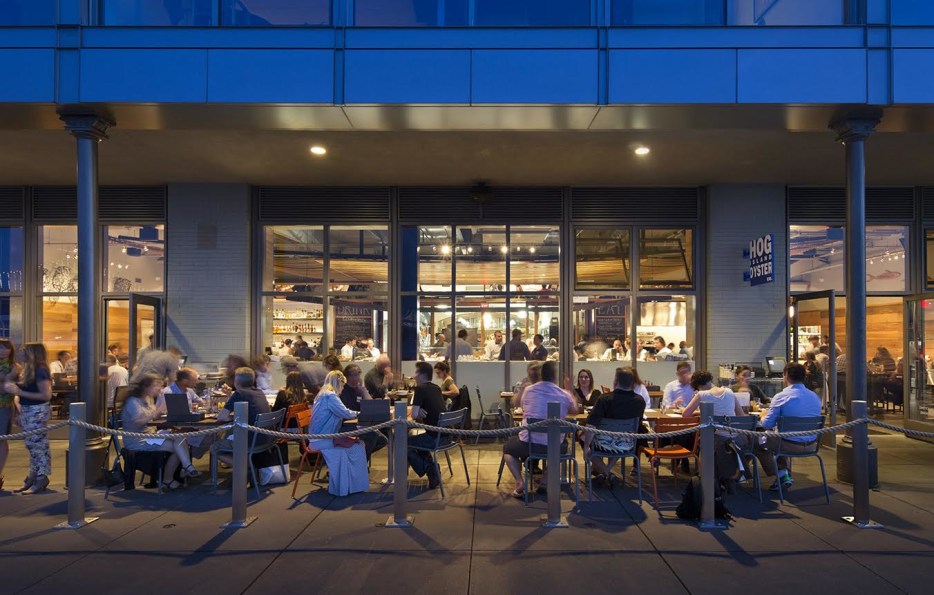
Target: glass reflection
[(135, 258), (359, 258), (666, 258), (533, 263), (435, 255), (480, 255), (602, 258), (263, 13), (59, 257), (294, 258), (158, 13), (11, 259)]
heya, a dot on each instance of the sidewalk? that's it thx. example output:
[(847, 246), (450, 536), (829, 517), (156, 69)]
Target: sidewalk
[(477, 540)]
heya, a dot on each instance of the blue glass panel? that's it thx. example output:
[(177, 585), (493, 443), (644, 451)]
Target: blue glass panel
[(158, 13), (27, 12), (410, 13), (787, 12), (11, 259), (264, 13), (912, 12), (532, 13), (667, 12), (11, 319)]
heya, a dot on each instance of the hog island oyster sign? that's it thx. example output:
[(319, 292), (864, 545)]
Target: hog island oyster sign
[(760, 268)]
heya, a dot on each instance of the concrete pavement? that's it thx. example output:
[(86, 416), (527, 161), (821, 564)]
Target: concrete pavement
[(477, 540)]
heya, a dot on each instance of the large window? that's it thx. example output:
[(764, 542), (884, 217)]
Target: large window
[(817, 263), (263, 13), (666, 258), (602, 258), (480, 13), (328, 286), (58, 249), (733, 12), (27, 12), (11, 283), (135, 259), (155, 13)]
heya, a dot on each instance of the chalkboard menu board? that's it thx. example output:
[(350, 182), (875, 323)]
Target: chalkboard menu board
[(610, 320), (352, 320)]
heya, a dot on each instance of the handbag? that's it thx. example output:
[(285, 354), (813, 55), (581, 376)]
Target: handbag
[(273, 475), (114, 475), (344, 442)]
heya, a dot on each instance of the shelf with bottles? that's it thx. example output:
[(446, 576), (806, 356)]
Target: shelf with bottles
[(297, 314), (293, 333), (291, 329)]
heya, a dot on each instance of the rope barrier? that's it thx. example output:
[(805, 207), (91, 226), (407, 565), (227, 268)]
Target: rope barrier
[(494, 433), (37, 431)]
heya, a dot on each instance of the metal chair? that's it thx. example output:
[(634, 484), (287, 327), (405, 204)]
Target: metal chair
[(448, 419), (541, 454), (673, 452), (630, 425), (801, 424), (505, 421), (258, 443), (484, 414), (746, 422)]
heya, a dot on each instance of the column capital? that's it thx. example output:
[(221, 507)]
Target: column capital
[(855, 125), (86, 125)]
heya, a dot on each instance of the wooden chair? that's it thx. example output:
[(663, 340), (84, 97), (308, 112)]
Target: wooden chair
[(303, 418), (674, 452), (606, 389), (292, 413)]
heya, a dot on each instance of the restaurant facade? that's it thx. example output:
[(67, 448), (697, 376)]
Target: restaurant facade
[(397, 171)]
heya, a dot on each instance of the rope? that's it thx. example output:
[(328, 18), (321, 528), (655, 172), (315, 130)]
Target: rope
[(37, 431), (798, 434), (291, 436), (146, 435), (637, 436), (907, 432)]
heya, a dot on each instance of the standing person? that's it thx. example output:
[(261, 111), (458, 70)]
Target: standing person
[(347, 351), (493, 347), (535, 401), (163, 364), (795, 401), (661, 349), (616, 352), (117, 376), (678, 392), (379, 379), (286, 348), (114, 349), (813, 374), (586, 392), (347, 470), (9, 370), (459, 348), (538, 353), (138, 410), (34, 391), (263, 376), (371, 347), (518, 350), (430, 403), (143, 351)]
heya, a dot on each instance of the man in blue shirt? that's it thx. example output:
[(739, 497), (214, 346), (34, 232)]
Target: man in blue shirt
[(794, 401), (678, 392)]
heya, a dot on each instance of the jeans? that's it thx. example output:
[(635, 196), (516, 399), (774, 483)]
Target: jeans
[(773, 444), (420, 460)]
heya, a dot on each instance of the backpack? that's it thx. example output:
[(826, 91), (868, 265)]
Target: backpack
[(692, 502)]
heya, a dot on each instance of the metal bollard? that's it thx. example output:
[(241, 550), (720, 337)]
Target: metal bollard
[(708, 481), (400, 494), (860, 459), (76, 478), (554, 519), (238, 492)]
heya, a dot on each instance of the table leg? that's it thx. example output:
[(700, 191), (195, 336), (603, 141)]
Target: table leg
[(388, 481)]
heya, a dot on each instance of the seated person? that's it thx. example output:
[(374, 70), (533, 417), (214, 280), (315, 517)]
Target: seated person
[(622, 403), (293, 393), (245, 391), (347, 469), (263, 376), (723, 399), (616, 352), (354, 392), (448, 387), (380, 378), (138, 410), (535, 401), (742, 376), (431, 405), (794, 401), (678, 392), (186, 380), (585, 391)]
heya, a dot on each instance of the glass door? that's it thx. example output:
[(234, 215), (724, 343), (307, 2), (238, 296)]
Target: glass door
[(814, 335), (147, 330), (916, 365)]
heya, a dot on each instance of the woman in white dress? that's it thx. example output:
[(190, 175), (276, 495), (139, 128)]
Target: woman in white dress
[(347, 469)]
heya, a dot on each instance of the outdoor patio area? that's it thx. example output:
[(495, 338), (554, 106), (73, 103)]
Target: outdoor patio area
[(476, 540)]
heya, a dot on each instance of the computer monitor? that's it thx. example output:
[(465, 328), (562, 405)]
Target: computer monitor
[(774, 366)]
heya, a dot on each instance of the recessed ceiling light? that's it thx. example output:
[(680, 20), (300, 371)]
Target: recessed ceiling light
[(318, 150), (642, 151), (445, 249)]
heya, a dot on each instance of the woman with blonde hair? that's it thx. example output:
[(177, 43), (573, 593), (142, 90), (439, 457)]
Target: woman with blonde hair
[(345, 457), (9, 370), (33, 392)]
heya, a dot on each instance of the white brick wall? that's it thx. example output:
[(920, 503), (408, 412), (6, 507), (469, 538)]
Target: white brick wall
[(744, 323), (209, 295)]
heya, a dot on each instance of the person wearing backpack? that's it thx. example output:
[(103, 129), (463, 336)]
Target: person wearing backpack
[(622, 403)]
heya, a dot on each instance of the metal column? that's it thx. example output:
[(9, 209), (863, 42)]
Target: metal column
[(89, 130)]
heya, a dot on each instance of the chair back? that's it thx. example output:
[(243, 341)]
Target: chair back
[(452, 419), (623, 446), (303, 419), (605, 389), (801, 424), (266, 421), (505, 418), (120, 397), (673, 424), (742, 422), (463, 399), (292, 413), (480, 399), (544, 429)]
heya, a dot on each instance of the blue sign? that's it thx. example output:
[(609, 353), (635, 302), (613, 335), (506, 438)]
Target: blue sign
[(760, 269)]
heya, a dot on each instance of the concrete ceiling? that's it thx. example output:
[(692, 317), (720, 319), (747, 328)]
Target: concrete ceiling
[(777, 146)]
